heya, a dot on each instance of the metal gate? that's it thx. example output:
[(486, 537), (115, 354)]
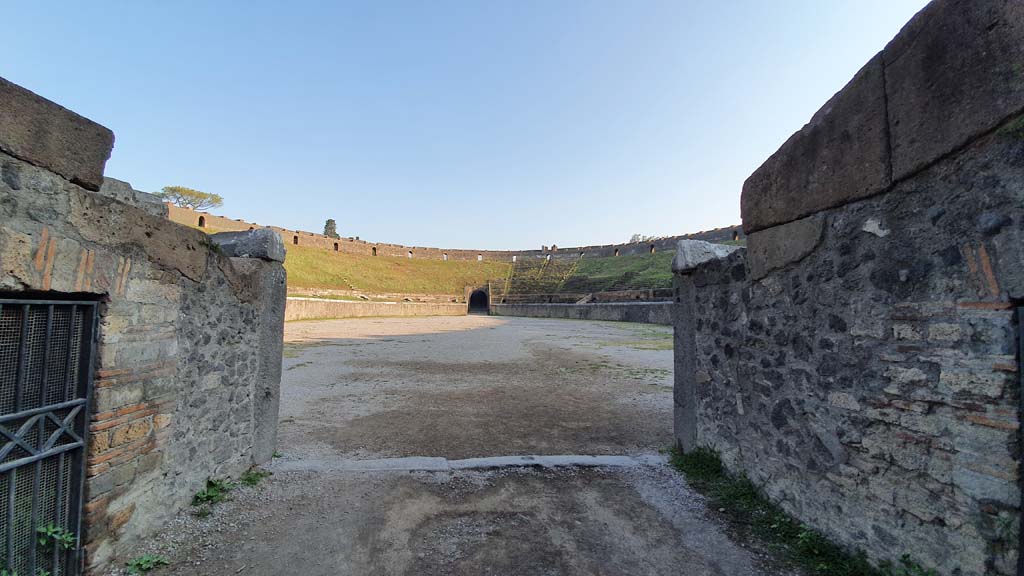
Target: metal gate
[(46, 356)]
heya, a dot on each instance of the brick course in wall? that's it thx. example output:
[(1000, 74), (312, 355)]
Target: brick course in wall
[(318, 308)]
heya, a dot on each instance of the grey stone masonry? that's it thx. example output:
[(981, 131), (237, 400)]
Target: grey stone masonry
[(859, 362), (872, 387)]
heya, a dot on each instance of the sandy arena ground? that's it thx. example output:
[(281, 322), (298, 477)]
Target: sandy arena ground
[(380, 419)]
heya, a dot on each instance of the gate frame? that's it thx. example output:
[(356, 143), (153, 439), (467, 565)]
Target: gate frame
[(1020, 430), (84, 393)]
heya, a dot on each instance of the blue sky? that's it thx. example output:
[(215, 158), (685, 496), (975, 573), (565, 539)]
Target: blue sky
[(454, 124)]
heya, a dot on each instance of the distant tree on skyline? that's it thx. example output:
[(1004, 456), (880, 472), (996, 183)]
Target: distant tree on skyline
[(640, 238), (331, 228), (184, 197)]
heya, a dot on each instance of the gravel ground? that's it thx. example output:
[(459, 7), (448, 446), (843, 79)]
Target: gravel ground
[(471, 386), (466, 387)]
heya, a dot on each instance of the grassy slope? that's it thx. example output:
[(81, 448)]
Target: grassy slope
[(315, 268), (622, 272)]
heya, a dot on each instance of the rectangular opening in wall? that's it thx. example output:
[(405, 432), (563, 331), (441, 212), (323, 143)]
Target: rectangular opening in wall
[(46, 358)]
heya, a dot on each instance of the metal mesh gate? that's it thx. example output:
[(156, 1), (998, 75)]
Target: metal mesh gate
[(46, 350)]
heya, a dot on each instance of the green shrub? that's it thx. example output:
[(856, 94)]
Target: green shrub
[(254, 476), (216, 491), (145, 563)]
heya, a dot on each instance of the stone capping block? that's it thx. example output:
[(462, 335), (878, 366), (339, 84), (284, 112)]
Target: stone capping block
[(690, 254), (260, 243), (50, 136), (954, 72), (104, 220), (123, 192), (779, 246), (841, 155)]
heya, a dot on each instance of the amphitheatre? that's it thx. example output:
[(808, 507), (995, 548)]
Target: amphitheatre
[(831, 387), (506, 282)]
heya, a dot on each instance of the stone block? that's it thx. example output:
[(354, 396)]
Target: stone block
[(99, 443), (779, 246), (906, 332), (841, 155), (973, 382), (260, 243), (843, 400), (121, 517), (692, 253), (982, 486), (128, 433), (105, 221), (944, 332), (123, 192), (112, 397), (50, 136), (953, 73), (267, 388), (685, 365)]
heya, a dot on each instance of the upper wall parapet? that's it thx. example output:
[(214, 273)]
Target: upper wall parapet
[(355, 245), (927, 94)]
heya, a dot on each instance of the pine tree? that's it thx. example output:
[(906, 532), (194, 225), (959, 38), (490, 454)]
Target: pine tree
[(331, 228)]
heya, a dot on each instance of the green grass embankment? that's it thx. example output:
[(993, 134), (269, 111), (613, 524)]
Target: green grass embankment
[(316, 268), (622, 273)]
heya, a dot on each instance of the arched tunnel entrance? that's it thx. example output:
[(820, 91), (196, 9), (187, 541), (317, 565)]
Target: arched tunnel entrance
[(479, 302)]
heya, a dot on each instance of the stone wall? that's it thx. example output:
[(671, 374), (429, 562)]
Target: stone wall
[(353, 245), (859, 361), (644, 312), (318, 308), (188, 355), (337, 293), (569, 297)]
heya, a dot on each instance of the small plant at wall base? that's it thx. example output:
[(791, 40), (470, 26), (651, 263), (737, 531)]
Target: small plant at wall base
[(748, 510), (215, 492), (254, 476), (53, 534), (145, 563)]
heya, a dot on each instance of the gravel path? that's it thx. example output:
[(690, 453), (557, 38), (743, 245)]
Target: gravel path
[(467, 445)]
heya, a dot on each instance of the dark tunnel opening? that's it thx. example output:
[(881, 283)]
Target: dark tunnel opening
[(479, 302)]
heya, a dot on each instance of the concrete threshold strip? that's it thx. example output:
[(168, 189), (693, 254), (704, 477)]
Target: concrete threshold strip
[(435, 464)]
